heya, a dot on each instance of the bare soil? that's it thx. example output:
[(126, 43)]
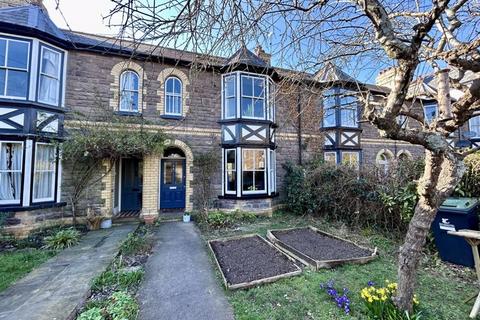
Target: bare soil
[(248, 259), (318, 246)]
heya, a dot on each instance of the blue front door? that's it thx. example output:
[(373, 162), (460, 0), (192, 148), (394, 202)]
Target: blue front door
[(172, 185), (131, 191)]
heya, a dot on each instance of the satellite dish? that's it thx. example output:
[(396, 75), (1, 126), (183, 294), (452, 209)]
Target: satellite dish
[(469, 134)]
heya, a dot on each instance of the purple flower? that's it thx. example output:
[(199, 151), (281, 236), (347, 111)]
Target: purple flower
[(371, 283)]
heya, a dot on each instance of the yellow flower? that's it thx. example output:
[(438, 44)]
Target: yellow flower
[(370, 299)]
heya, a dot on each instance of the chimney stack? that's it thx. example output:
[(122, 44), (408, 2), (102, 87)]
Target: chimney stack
[(386, 77), (259, 52)]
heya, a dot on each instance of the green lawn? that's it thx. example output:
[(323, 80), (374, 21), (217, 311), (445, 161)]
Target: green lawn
[(14, 265), (442, 289)]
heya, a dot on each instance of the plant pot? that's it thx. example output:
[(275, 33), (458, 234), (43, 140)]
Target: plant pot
[(106, 224), (93, 223), (149, 219), (186, 218)]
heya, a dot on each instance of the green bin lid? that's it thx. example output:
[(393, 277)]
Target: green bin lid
[(459, 204)]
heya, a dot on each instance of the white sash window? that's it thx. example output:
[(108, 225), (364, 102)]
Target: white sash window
[(129, 91), (14, 63), (44, 172), (173, 96), (50, 70)]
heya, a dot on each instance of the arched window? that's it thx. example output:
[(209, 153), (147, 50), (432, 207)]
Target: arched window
[(173, 96), (404, 155), (129, 91), (384, 158)]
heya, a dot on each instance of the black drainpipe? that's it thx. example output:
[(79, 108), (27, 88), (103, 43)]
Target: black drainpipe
[(299, 110)]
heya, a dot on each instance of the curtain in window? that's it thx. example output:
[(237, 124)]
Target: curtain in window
[(44, 178), (10, 171), (49, 77)]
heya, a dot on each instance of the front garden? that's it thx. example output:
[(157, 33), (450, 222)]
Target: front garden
[(442, 291)]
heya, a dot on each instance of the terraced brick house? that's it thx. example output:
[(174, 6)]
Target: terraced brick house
[(255, 116)]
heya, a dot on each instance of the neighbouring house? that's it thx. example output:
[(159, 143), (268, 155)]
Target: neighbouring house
[(255, 116)]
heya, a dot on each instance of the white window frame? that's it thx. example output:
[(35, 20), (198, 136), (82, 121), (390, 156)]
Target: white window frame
[(52, 198), (27, 70), (342, 94), (247, 192), (270, 92), (234, 171), (357, 153), (174, 95), (57, 77), (253, 97), (129, 91), (272, 171), (14, 201), (224, 95), (470, 125), (330, 153)]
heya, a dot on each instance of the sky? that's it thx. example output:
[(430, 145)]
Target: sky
[(81, 15)]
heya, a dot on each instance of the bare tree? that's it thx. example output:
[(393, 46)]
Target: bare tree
[(415, 37)]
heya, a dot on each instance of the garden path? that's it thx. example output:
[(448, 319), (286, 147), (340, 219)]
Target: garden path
[(57, 288), (179, 281)]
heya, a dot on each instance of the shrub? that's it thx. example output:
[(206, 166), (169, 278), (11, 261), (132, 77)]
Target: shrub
[(469, 186), (122, 306), (219, 219), (117, 280), (62, 239), (91, 314), (379, 303), (368, 199)]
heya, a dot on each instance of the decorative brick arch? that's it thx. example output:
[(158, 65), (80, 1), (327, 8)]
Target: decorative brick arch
[(116, 72), (162, 77), (389, 153), (404, 152), (188, 170)]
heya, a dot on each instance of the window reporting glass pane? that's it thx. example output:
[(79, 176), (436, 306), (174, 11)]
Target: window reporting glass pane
[(179, 172), (48, 90), (247, 107), (259, 87), (177, 86), (11, 155), (3, 51), (430, 112), (17, 54), (247, 89), (258, 109), (167, 172), (2, 81), (330, 158), (248, 158), (17, 83), (230, 107), (348, 117), (259, 180), (231, 173), (259, 159), (50, 62), (44, 171), (230, 86), (248, 181), (475, 126)]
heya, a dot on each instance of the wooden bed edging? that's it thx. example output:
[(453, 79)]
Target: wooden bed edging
[(318, 264), (245, 285)]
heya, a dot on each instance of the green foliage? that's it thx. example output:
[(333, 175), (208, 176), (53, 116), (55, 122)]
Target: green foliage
[(366, 199), (117, 279), (91, 314), (206, 165), (62, 239), (136, 243), (93, 142), (221, 219), (122, 306), (16, 264), (469, 186)]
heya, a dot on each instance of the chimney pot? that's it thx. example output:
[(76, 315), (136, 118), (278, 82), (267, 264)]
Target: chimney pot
[(266, 57)]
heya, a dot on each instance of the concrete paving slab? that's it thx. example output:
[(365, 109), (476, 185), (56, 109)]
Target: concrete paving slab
[(58, 287), (179, 279)]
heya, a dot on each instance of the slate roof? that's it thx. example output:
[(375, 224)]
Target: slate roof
[(330, 73), (247, 57), (31, 16)]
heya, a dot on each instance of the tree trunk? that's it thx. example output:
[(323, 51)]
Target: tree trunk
[(442, 173)]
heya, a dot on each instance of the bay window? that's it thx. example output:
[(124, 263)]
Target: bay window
[(249, 96), (330, 157), (45, 167), (11, 164), (129, 91), (340, 108), (14, 67), (49, 76), (273, 171), (351, 158)]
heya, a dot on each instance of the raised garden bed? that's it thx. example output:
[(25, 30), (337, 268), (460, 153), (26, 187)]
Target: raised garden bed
[(249, 260), (319, 249)]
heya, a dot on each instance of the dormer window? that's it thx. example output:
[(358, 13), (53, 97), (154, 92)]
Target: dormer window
[(173, 96), (248, 96), (49, 74), (14, 64), (129, 91), (340, 108)]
